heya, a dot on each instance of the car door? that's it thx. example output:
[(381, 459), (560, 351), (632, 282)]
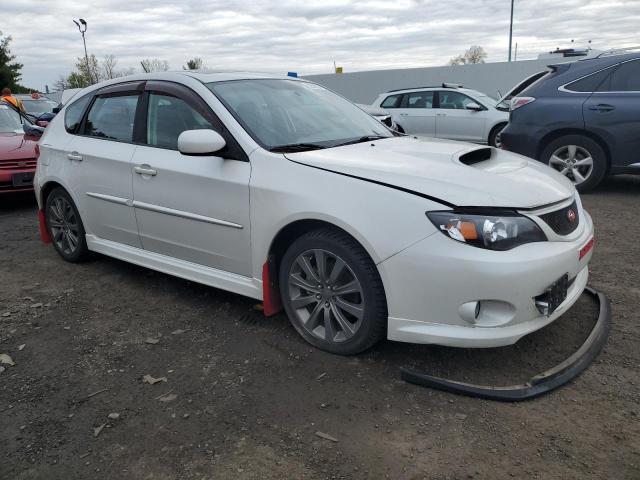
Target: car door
[(195, 208), (613, 113), (415, 113), (455, 121), (98, 163)]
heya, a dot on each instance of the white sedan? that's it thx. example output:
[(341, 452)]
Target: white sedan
[(278, 189)]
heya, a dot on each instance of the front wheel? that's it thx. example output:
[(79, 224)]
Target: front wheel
[(65, 226), (579, 158), (332, 292), (494, 135)]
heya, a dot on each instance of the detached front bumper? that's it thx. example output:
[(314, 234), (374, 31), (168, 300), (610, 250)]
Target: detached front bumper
[(432, 288)]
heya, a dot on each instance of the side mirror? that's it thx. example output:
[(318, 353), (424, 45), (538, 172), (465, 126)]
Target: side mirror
[(32, 130), (57, 109), (473, 106), (200, 142)]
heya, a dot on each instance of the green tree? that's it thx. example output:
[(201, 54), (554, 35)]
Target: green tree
[(9, 69), (194, 64)]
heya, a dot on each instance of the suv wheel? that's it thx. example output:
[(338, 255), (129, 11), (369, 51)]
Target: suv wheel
[(65, 227), (579, 158), (332, 292)]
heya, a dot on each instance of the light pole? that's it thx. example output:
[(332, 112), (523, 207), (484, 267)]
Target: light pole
[(82, 27), (510, 30)]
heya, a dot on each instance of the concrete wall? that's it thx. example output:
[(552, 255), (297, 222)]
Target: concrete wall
[(364, 87)]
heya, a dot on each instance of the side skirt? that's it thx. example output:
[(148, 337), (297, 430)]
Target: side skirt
[(213, 277)]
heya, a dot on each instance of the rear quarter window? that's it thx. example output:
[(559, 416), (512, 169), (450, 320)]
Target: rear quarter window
[(391, 101), (590, 83), (73, 114)]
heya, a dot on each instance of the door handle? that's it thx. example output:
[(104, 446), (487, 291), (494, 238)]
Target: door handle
[(404, 114), (74, 156), (602, 107), (145, 170), (441, 114)]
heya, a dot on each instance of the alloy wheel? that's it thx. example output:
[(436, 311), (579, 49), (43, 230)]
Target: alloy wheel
[(574, 162), (63, 223), (326, 296)]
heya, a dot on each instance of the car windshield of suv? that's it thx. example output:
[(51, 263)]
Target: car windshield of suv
[(10, 121), (293, 115), (38, 107)]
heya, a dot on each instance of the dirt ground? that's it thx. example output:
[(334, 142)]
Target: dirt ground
[(244, 396)]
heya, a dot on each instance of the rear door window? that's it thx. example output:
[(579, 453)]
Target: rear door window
[(625, 78), (419, 100), (454, 100), (112, 117)]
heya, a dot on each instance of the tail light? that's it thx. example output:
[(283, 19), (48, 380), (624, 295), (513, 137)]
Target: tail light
[(37, 150), (517, 102)]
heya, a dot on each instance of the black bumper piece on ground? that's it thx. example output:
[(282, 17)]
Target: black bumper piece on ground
[(541, 383)]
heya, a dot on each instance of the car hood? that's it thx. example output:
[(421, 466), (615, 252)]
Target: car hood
[(455, 173), (16, 146)]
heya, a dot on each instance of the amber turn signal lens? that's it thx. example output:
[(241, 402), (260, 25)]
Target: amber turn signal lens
[(468, 230)]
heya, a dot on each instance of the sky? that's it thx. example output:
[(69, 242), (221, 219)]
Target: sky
[(303, 36)]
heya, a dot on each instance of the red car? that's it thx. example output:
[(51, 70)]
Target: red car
[(17, 152)]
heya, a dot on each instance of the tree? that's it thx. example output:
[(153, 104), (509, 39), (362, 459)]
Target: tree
[(475, 54), (9, 69), (194, 64), (154, 65), (108, 67)]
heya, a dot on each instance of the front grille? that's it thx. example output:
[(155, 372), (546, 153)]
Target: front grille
[(17, 164), (562, 221)]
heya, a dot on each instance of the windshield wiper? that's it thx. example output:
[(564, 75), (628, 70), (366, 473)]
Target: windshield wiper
[(366, 138), (296, 147)]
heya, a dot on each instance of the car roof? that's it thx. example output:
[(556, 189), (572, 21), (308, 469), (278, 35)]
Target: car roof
[(436, 87)]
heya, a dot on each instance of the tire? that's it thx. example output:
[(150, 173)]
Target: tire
[(494, 139), (313, 299), (566, 153), (65, 226)]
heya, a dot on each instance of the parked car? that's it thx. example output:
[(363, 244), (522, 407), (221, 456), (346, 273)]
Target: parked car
[(448, 111), (38, 107), (581, 118), (17, 151), (379, 114), (280, 190)]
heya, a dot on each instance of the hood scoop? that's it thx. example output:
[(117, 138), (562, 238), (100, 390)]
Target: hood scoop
[(475, 156)]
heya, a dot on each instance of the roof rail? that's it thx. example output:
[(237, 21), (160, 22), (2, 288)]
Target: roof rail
[(442, 85), (617, 51)]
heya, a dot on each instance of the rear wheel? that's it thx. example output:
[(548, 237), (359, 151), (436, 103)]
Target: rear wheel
[(581, 159), (332, 292), (65, 226)]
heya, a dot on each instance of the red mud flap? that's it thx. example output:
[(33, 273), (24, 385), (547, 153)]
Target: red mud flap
[(270, 293), (42, 223), (540, 384)]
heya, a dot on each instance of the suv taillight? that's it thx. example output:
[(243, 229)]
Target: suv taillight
[(517, 102)]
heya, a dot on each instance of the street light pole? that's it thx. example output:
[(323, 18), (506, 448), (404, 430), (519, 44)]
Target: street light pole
[(82, 27), (510, 30)]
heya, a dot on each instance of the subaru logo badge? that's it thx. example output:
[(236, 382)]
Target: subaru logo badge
[(571, 215)]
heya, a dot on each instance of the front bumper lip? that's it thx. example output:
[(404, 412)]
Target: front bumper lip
[(540, 384)]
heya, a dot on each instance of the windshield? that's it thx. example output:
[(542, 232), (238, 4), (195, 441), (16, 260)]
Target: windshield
[(296, 115), (38, 107), (10, 121)]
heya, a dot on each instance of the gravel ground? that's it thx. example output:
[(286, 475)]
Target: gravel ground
[(243, 397)]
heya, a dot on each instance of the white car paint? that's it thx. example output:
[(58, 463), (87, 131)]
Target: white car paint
[(440, 119), (213, 220)]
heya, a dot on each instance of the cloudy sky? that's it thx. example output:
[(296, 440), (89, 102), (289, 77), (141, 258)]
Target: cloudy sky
[(304, 36)]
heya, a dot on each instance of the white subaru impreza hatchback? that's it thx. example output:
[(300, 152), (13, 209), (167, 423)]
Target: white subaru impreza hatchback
[(280, 190)]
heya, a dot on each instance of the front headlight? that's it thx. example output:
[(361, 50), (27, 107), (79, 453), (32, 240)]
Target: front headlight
[(502, 231)]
